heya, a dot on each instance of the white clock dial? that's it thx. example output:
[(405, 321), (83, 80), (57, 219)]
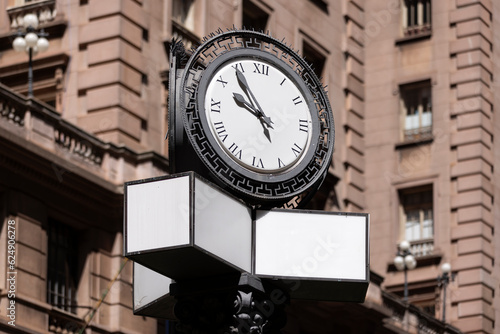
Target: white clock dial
[(258, 115)]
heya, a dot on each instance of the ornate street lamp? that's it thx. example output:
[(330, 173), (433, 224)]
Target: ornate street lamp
[(31, 42), (405, 261), (443, 281)]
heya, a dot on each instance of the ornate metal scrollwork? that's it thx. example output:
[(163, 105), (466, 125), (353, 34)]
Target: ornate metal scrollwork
[(242, 309)]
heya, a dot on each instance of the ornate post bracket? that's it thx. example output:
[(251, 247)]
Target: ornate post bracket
[(229, 306)]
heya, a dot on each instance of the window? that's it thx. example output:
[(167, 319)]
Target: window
[(183, 12), (417, 219), (416, 105), (186, 23), (61, 268), (422, 294), (429, 307), (254, 17), (321, 4), (314, 57), (416, 17)]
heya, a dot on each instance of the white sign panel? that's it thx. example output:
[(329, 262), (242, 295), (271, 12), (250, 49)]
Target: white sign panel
[(222, 225), (304, 244), (157, 214)]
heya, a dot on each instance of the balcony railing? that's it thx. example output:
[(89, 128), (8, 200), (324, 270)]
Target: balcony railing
[(417, 30), (63, 322), (45, 10), (38, 123), (408, 318), (421, 248), (421, 133)]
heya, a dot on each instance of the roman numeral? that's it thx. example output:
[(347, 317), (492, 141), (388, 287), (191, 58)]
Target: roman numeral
[(234, 150), (296, 149), (215, 105), (280, 163), (221, 130), (303, 125), (238, 66), (261, 69), (297, 100), (224, 83), (257, 163)]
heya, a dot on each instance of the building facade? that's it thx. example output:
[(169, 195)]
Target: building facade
[(412, 85)]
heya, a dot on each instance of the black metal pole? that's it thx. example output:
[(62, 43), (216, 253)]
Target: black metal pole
[(30, 73), (444, 300), (406, 285)]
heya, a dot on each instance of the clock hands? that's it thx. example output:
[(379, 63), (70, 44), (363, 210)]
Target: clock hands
[(240, 99), (259, 111)]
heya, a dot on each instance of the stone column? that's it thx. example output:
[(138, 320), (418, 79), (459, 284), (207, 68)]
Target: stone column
[(472, 170), (354, 159)]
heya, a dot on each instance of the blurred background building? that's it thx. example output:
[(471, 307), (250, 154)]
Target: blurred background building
[(413, 87)]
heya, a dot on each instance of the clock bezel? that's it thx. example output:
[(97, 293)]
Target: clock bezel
[(258, 174), (256, 188)]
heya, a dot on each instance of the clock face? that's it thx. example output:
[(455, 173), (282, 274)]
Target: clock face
[(258, 115)]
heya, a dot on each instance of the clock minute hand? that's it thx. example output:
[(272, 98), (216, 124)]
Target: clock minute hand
[(243, 81)]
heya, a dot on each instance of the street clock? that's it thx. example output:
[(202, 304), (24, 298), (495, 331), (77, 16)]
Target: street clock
[(257, 116)]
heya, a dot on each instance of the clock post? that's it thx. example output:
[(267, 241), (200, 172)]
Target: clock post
[(251, 137)]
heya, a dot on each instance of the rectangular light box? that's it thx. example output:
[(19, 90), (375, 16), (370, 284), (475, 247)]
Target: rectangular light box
[(184, 227), (316, 255)]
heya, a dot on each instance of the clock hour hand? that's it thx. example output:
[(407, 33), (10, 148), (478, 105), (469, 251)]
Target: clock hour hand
[(260, 112), (240, 99)]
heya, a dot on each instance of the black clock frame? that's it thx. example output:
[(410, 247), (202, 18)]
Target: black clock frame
[(273, 189)]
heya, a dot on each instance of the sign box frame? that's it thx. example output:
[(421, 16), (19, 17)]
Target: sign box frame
[(314, 255), (174, 225)]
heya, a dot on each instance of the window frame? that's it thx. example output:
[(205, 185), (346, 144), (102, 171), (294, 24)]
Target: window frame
[(188, 21), (314, 56), (422, 246), (422, 294), (262, 14), (70, 273), (177, 29), (312, 52), (421, 10), (423, 90)]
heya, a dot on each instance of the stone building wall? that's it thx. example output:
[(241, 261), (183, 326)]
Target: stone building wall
[(103, 121)]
